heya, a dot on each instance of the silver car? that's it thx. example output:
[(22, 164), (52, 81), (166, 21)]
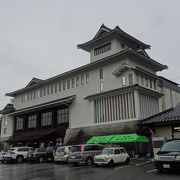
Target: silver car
[(62, 154), (84, 154)]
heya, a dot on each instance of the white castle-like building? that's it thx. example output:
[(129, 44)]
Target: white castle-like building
[(111, 94)]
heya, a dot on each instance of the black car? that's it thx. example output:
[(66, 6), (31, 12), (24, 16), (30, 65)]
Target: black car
[(168, 158), (37, 155)]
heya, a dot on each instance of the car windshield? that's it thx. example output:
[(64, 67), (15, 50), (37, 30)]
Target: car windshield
[(3, 151), (171, 146), (60, 149), (108, 151), (76, 149), (31, 150)]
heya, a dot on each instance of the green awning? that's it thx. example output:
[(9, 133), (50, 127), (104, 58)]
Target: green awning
[(124, 138), (120, 138), (100, 139)]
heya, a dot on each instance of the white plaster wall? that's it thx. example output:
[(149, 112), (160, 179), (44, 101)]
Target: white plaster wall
[(170, 99), (115, 48), (144, 66), (81, 113), (164, 132), (177, 135)]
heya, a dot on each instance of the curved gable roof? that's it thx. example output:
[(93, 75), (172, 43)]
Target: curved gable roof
[(106, 32)]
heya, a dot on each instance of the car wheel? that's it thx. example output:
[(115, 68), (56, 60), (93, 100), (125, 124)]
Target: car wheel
[(5, 162), (75, 164), (89, 161), (111, 163), (19, 159), (127, 161), (159, 170), (41, 159)]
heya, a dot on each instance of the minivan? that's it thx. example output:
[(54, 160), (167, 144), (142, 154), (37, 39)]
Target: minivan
[(84, 154), (168, 158)]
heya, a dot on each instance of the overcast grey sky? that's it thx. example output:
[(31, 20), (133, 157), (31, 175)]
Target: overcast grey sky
[(38, 38)]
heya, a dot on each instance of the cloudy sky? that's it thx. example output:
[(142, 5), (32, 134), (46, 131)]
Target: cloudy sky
[(38, 38)]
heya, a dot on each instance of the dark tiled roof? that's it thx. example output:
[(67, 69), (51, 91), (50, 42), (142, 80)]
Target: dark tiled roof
[(8, 109), (34, 81), (167, 116), (105, 32)]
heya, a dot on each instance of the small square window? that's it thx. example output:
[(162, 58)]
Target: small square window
[(101, 86), (100, 73), (55, 88), (59, 86), (5, 131), (77, 81), (130, 79), (155, 85), (150, 83), (147, 82), (64, 85), (87, 77), (48, 89), (122, 45), (40, 92), (68, 84), (34, 94), (123, 80), (44, 91)]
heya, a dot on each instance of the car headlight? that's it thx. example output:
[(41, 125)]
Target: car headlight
[(177, 158), (156, 157)]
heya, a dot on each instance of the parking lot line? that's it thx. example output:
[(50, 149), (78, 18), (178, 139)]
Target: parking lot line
[(121, 167), (143, 163), (152, 170)]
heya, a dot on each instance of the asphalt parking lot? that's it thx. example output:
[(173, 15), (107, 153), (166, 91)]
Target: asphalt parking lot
[(137, 169)]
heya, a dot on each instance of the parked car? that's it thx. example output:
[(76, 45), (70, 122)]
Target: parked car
[(111, 156), (2, 153), (37, 155), (62, 154), (168, 158), (84, 153), (17, 154)]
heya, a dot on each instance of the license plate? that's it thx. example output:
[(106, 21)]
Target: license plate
[(166, 166), (73, 157), (99, 163)]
